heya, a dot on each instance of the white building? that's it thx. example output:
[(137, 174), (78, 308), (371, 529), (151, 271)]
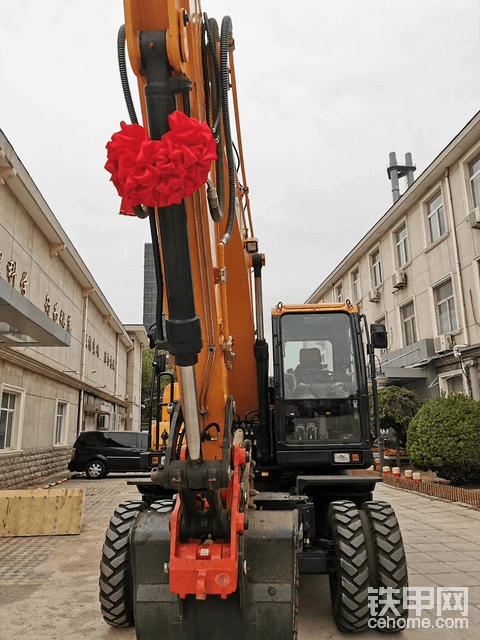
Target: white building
[(418, 271), (66, 361)]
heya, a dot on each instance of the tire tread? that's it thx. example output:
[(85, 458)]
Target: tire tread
[(390, 562), (349, 586)]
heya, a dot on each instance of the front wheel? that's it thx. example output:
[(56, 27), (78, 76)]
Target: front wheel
[(96, 469), (389, 575), (349, 581), (116, 597), (116, 573)]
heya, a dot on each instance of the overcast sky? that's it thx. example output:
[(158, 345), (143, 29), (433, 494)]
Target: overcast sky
[(326, 90)]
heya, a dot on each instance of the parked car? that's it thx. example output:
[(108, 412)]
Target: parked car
[(100, 452)]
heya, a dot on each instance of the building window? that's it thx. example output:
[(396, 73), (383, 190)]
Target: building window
[(436, 218), (357, 293), (474, 168), (60, 422), (103, 422), (376, 268), (339, 293), (7, 414), (408, 320), (402, 249), (454, 381), (445, 307)]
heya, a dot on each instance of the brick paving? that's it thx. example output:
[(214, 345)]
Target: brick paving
[(49, 586), (20, 556)]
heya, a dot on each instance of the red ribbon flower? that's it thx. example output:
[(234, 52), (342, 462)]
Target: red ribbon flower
[(158, 173)]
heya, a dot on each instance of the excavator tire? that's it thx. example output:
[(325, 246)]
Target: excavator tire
[(116, 597), (389, 567), (116, 601), (349, 581), (162, 506)]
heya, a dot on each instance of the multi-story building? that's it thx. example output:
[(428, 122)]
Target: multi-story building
[(66, 361), (418, 271)]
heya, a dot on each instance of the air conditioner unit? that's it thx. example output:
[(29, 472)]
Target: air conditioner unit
[(442, 343), (374, 295), (399, 279), (474, 218)]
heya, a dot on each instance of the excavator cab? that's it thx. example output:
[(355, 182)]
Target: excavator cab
[(321, 415)]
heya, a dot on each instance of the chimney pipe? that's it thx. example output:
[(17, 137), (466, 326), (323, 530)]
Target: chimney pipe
[(396, 171)]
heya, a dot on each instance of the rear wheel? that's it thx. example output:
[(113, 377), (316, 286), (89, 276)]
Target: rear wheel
[(349, 581), (96, 469), (388, 564)]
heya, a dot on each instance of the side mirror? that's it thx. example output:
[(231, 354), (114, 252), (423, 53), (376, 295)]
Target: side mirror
[(378, 336)]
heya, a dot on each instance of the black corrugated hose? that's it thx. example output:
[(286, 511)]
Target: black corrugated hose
[(217, 82), (226, 32), (123, 74), (213, 93), (143, 212)]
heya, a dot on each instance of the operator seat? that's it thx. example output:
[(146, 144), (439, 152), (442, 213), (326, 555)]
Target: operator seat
[(311, 368)]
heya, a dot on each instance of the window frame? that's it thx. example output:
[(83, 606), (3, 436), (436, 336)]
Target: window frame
[(404, 321), (104, 418), (429, 216), (373, 266), (436, 287), (471, 178), (18, 417), (402, 243), (433, 193), (445, 386), (339, 296), (65, 421), (356, 284)]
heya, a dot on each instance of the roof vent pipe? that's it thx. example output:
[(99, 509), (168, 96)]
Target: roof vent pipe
[(396, 171)]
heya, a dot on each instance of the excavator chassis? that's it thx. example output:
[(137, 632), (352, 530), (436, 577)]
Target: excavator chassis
[(334, 528), (264, 606)]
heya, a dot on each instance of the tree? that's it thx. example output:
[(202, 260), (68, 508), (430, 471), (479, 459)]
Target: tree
[(444, 437), (396, 408)]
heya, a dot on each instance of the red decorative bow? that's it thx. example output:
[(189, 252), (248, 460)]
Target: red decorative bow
[(158, 173)]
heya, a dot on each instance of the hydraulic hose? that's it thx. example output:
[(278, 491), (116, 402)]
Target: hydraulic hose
[(213, 92), (206, 79), (123, 74), (139, 211), (226, 32), (213, 74)]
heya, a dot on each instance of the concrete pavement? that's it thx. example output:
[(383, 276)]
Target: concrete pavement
[(49, 586)]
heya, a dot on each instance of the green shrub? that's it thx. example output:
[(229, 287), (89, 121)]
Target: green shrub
[(396, 408), (444, 437)]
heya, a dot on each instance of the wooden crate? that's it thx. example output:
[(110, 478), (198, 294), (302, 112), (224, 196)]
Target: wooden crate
[(41, 512)]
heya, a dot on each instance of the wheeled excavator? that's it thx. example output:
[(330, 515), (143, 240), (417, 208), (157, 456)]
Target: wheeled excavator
[(251, 484)]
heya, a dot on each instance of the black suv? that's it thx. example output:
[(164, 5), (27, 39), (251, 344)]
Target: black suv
[(99, 452)]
